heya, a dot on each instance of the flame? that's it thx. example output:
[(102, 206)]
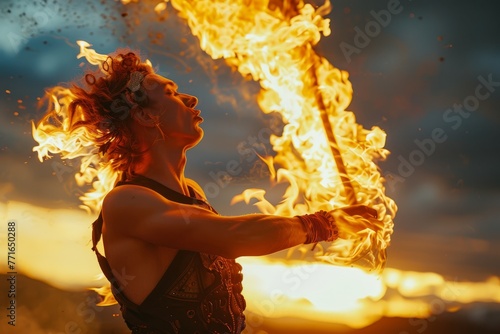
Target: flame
[(53, 136), (160, 7), (105, 291)]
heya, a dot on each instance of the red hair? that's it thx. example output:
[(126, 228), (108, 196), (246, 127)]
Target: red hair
[(93, 121), (104, 110)]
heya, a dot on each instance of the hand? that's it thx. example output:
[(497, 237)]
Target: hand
[(351, 220), (345, 223), (360, 210)]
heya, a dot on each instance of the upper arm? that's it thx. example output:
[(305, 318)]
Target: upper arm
[(139, 212)]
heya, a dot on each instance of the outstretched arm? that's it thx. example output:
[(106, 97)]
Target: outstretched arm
[(139, 212)]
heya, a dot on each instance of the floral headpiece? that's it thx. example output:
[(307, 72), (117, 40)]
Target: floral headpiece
[(134, 83)]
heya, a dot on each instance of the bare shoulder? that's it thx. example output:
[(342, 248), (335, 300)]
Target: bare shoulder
[(139, 213), (128, 203), (196, 187), (127, 194)]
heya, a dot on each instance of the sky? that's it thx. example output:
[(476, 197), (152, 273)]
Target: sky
[(429, 76)]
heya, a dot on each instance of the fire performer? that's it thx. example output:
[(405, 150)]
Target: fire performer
[(169, 255)]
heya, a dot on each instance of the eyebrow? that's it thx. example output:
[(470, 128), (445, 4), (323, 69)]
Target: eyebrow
[(171, 83)]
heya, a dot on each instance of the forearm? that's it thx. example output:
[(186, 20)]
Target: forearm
[(264, 234), (247, 235)]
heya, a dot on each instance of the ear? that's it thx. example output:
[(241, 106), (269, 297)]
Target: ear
[(141, 116)]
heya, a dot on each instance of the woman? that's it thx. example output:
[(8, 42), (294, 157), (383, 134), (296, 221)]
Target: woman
[(169, 255)]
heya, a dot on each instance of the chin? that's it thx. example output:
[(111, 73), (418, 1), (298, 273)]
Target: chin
[(200, 134), (197, 139)]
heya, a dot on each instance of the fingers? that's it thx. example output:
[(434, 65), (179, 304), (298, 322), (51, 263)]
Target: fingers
[(372, 212), (360, 210)]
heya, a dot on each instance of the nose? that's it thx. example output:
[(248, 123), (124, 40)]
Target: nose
[(190, 101)]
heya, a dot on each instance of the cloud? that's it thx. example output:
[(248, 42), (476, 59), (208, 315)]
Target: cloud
[(21, 21)]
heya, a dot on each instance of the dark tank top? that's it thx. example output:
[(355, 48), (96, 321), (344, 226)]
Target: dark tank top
[(198, 293)]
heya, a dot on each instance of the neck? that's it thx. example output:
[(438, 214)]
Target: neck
[(165, 165)]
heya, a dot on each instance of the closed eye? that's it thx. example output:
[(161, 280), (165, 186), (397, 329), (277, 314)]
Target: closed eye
[(171, 92), (171, 88)]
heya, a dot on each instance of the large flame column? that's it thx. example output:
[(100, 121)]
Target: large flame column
[(273, 43)]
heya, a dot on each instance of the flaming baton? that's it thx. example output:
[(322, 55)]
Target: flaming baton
[(291, 10), (273, 42), (337, 156)]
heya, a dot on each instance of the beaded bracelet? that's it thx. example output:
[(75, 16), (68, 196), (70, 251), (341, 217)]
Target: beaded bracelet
[(320, 226)]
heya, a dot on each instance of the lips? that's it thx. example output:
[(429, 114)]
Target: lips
[(197, 115)]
